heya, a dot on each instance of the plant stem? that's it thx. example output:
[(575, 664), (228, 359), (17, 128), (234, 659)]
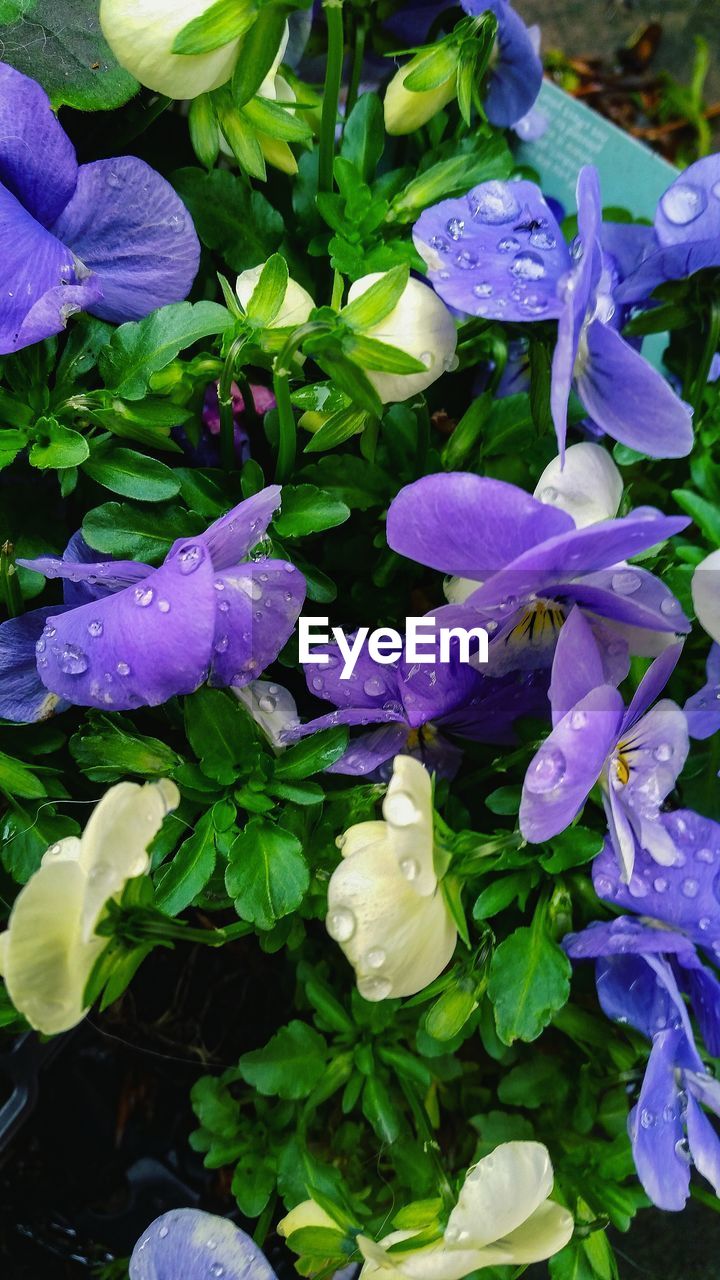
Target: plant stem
[(430, 1142), (287, 439), (227, 420), (358, 55), (331, 92), (11, 593), (712, 338)]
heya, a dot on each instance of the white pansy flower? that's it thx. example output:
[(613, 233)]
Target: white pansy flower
[(272, 707), (141, 34), (503, 1217), (589, 486), (50, 946), (705, 589), (385, 906), (421, 326), (295, 307)]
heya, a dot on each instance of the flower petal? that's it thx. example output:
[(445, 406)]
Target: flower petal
[(37, 159), (370, 684), (469, 525), (651, 685), (371, 750), (139, 647), (702, 709), (194, 1245), (628, 595), (656, 1130), (497, 252), (257, 607), (589, 486), (126, 224), (516, 76), (568, 764), (231, 537), (577, 666), (704, 1144), (23, 696), (543, 1234), (272, 707), (629, 399), (500, 1193)]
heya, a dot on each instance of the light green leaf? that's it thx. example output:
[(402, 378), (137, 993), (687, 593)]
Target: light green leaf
[(17, 780), (222, 22), (266, 298), (110, 752), (143, 347), (267, 875), (306, 509), (57, 446), (290, 1064), (529, 981), (378, 301), (132, 474)]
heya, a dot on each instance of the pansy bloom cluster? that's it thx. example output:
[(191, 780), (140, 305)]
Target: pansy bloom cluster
[(360, 644)]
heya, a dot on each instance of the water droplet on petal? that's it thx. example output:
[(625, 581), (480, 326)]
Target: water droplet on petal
[(439, 243), (190, 558), (534, 304), (222, 644), (266, 703), (217, 1270), (95, 628), (375, 958), (455, 228), (409, 868), (40, 645), (604, 887), (123, 669), (493, 203), (704, 923), (682, 1151), (546, 771), (508, 244), (466, 260), (527, 266), (375, 988), (648, 1119), (663, 752), (317, 682), (689, 888), (143, 596), (48, 630), (251, 588), (341, 924), (483, 290), (705, 855), (660, 884), (72, 660), (373, 687), (542, 240), (669, 606), (164, 606), (163, 1232), (115, 179), (578, 719), (626, 582), (400, 809), (683, 203)]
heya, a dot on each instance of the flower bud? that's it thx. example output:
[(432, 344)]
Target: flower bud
[(588, 486), (705, 589), (295, 307), (141, 35), (306, 1214), (407, 109), (420, 325)]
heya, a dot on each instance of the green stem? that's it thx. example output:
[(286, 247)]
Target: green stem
[(712, 339), (429, 1140), (246, 391), (11, 593), (227, 419), (423, 446), (331, 92), (287, 437), (358, 55)]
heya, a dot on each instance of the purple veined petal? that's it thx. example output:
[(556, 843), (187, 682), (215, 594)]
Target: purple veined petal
[(23, 696), (516, 76), (37, 159), (680, 895), (614, 649), (126, 224), (352, 716), (429, 691), (41, 285), (91, 580), (138, 647), (231, 537), (644, 769), (257, 605), (577, 666), (629, 399), (186, 1244), (80, 591), (627, 937), (704, 991), (567, 766), (523, 631), (656, 1129), (651, 685), (628, 244), (370, 684), (689, 211), (704, 1144), (628, 594), (673, 262), (372, 750), (497, 252), (469, 525), (637, 986), (702, 709)]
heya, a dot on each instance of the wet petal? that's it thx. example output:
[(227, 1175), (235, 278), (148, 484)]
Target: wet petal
[(37, 159), (500, 1193), (23, 696), (138, 647), (231, 537), (706, 594), (702, 709), (366, 753), (629, 595), (577, 666), (370, 684), (656, 1130), (497, 252), (197, 1246), (126, 224), (272, 707), (257, 607), (589, 486), (704, 1144), (651, 685)]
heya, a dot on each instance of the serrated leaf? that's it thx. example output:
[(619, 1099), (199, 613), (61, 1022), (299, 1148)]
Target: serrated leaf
[(143, 347), (529, 981), (56, 446), (290, 1064), (267, 874), (220, 734), (191, 868)]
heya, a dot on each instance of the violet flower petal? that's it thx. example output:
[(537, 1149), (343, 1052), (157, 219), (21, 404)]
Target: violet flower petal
[(371, 684), (37, 159), (23, 696), (702, 709), (651, 685), (656, 1130), (233, 535), (704, 1143), (497, 252), (128, 225), (577, 666), (631, 400), (258, 604), (630, 595), (186, 1244), (371, 750)]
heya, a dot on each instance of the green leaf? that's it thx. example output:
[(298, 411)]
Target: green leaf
[(27, 835), (529, 981), (267, 297), (380, 1110), (259, 50), (240, 224), (376, 302), (490, 158), (307, 509), (191, 868), (533, 1083), (267, 875), (222, 22), (504, 800), (17, 780), (132, 474), (501, 893), (571, 848), (467, 433), (220, 734), (269, 117), (111, 752), (312, 754), (289, 1066), (253, 1183), (12, 441), (339, 427), (705, 514), (360, 484), (363, 138), (203, 126), (143, 347), (240, 135), (128, 532), (60, 44), (57, 446), (368, 353)]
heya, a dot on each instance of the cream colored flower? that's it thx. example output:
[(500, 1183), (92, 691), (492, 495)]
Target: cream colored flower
[(421, 326), (406, 111), (385, 907), (589, 486), (141, 34), (296, 305), (306, 1214), (50, 946), (503, 1217), (705, 589)]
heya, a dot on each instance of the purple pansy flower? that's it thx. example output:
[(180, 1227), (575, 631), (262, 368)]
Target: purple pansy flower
[(130, 635), (531, 565), (635, 754), (498, 252), (187, 1244), (111, 237), (641, 974), (685, 237), (702, 709), (413, 705)]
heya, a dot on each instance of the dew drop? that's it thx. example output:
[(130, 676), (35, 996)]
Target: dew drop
[(648, 1119), (546, 771), (409, 868), (466, 260), (683, 203), (222, 644), (123, 669), (40, 645), (682, 1151), (527, 266), (542, 240), (95, 628), (626, 582), (190, 558), (143, 596), (660, 884), (115, 179), (534, 304), (455, 228), (251, 588), (705, 855), (373, 687), (48, 630), (400, 809), (578, 719), (669, 606), (72, 660), (340, 924), (163, 1232), (508, 244), (637, 888), (54, 850), (266, 703), (663, 752), (375, 988), (604, 887), (689, 888), (439, 243), (223, 606), (704, 923), (375, 958), (217, 1270), (317, 682), (483, 290), (493, 203)]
